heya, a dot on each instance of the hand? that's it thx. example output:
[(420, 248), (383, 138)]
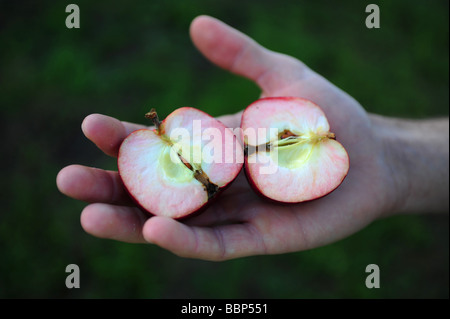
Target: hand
[(240, 223)]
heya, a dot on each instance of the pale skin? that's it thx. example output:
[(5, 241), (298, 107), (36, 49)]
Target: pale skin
[(396, 166)]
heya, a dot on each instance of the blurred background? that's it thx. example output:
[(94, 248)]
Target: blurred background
[(130, 55)]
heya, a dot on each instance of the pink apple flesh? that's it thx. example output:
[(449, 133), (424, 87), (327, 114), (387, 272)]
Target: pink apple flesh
[(177, 168), (293, 157)]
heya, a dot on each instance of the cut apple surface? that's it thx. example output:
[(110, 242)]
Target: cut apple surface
[(175, 169), (291, 155)]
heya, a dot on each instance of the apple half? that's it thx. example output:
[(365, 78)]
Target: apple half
[(177, 168), (290, 154)]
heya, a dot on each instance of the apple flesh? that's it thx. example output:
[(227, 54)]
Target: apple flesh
[(177, 168), (293, 156)]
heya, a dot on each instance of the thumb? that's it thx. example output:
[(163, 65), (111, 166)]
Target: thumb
[(234, 51)]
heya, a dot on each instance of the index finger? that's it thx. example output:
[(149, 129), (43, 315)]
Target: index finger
[(107, 132)]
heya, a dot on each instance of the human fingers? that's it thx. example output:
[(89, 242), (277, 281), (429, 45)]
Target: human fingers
[(238, 53), (107, 132), (114, 222), (209, 243), (92, 185)]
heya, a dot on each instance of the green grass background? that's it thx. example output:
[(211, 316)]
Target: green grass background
[(131, 55)]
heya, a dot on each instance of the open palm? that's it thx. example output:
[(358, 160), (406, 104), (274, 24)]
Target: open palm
[(240, 223)]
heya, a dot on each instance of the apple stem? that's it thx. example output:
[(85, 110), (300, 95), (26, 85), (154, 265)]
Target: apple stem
[(152, 115)]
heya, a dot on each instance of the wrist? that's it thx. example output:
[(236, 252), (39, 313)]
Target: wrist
[(416, 157)]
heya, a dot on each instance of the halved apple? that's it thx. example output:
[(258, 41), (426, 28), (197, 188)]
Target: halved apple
[(177, 168), (291, 155)]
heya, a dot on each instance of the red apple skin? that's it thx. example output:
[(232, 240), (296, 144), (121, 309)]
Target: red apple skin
[(246, 169), (188, 215)]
